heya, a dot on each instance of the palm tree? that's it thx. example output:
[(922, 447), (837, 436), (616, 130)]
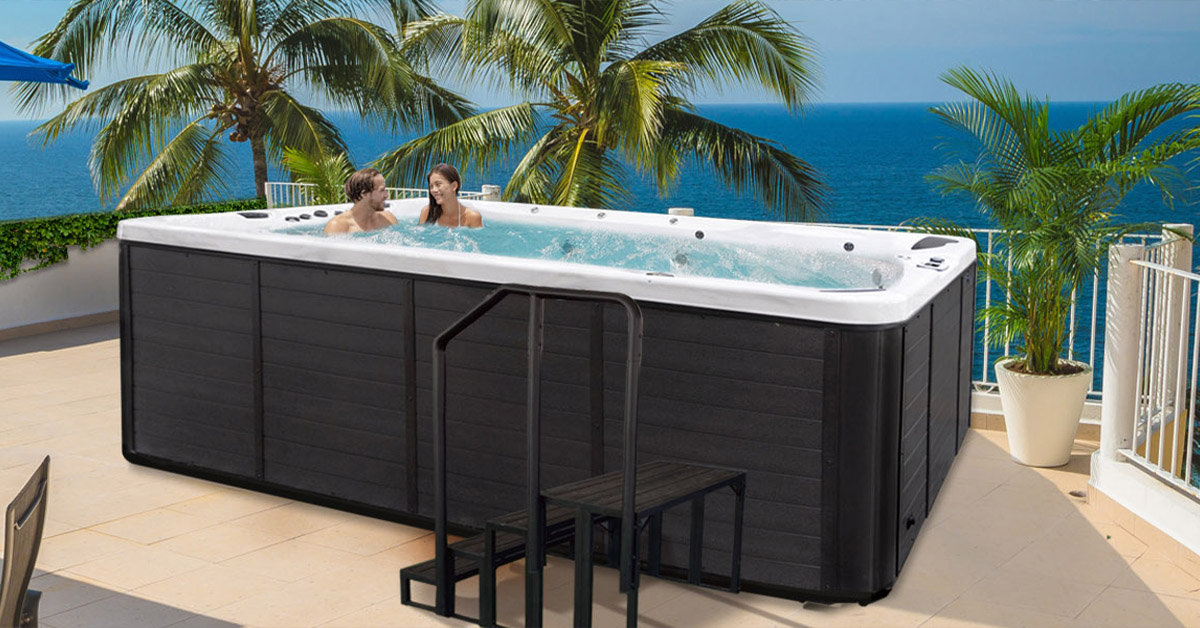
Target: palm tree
[(1056, 195), (240, 67), (597, 96)]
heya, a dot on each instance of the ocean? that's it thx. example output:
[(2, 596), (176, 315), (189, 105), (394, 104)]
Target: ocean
[(874, 158)]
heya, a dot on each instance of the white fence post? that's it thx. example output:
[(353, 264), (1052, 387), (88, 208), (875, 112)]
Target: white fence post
[(1122, 312), (490, 192), (1178, 254)]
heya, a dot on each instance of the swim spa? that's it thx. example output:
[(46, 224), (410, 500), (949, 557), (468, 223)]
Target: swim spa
[(300, 365)]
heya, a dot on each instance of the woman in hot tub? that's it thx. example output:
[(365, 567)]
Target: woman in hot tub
[(443, 208)]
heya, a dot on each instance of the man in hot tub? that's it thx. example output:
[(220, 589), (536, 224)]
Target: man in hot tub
[(368, 191)]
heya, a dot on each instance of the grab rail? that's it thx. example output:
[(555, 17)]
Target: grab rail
[(535, 542)]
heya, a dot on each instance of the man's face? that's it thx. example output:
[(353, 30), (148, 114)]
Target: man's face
[(377, 199)]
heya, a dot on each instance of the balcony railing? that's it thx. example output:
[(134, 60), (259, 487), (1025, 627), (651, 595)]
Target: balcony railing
[(284, 194), (1163, 437)]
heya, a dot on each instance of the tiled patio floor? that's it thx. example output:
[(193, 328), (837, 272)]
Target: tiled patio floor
[(127, 546)]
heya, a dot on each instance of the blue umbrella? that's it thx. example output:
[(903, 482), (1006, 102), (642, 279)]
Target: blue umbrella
[(18, 65)]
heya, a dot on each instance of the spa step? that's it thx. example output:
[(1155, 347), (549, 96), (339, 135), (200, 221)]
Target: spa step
[(660, 485), (469, 554)]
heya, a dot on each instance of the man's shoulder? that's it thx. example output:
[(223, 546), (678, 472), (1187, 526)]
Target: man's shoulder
[(337, 224)]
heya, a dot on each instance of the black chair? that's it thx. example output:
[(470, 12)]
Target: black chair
[(23, 523)]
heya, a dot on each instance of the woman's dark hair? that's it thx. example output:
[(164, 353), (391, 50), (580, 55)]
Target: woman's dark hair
[(451, 174), (361, 183)]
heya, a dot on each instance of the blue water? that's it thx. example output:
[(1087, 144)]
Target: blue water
[(873, 157), (685, 256)]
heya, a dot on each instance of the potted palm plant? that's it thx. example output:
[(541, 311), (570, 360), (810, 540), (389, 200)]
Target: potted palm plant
[(1056, 196)]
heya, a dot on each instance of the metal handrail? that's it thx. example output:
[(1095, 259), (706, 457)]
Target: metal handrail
[(535, 550)]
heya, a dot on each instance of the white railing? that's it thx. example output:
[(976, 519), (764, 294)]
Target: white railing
[(1161, 438), (285, 194), (1085, 339)]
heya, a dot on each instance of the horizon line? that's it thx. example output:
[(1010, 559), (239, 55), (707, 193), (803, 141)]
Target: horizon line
[(730, 104)]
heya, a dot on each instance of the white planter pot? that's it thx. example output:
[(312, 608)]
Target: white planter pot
[(1041, 413)]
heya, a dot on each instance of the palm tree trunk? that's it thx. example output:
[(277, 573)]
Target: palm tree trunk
[(259, 150)]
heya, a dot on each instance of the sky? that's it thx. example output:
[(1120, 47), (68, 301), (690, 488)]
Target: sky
[(894, 50)]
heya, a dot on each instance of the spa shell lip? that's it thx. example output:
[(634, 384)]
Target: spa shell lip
[(923, 268)]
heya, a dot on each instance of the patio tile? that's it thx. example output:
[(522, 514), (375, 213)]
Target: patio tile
[(227, 504), (1121, 540), (417, 550), (906, 609), (208, 587), (1159, 576), (62, 592), (364, 536), (390, 613), (54, 527), (220, 542), (974, 614), (989, 535), (698, 607), (1041, 499), (137, 567), (204, 621), (1186, 610), (291, 520), (1042, 593), (987, 444), (291, 560), (285, 607), (1121, 608), (153, 526), (78, 547), (1092, 559), (120, 611)]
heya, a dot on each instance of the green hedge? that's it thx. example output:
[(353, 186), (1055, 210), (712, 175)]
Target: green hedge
[(44, 241)]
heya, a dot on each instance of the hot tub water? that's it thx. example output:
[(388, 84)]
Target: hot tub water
[(653, 253)]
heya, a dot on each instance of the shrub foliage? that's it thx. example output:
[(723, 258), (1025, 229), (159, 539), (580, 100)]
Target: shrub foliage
[(27, 245)]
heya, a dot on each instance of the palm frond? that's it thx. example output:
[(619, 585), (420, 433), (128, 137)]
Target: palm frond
[(632, 95), (189, 168), (787, 185), (143, 115), (292, 124), (590, 178), (746, 43), (534, 175), (327, 171), (478, 141)]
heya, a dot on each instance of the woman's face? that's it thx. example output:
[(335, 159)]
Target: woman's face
[(441, 188)]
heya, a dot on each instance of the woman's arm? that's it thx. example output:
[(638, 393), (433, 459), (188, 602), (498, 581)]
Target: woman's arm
[(424, 215)]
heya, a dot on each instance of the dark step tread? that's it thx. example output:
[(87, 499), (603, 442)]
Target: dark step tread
[(660, 485), (468, 552), (518, 522)]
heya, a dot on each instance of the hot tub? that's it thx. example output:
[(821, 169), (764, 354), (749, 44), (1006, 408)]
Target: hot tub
[(300, 365)]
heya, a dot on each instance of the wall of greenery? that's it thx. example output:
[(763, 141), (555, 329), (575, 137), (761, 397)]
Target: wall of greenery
[(27, 245)]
